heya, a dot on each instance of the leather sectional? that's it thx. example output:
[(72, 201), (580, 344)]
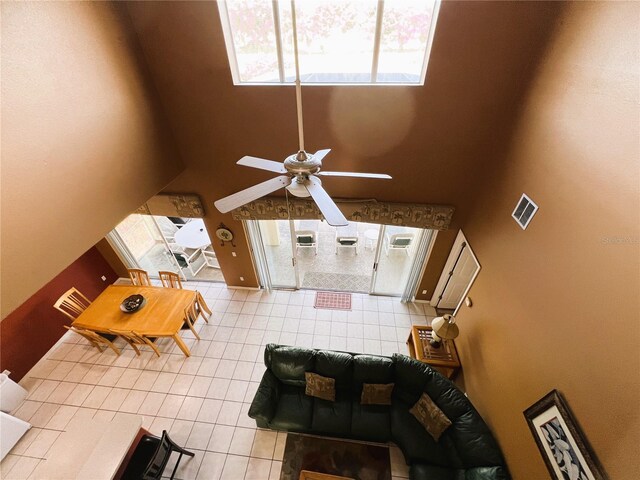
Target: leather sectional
[(465, 451)]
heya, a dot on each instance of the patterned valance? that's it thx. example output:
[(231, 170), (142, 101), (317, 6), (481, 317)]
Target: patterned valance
[(437, 217), (173, 205)]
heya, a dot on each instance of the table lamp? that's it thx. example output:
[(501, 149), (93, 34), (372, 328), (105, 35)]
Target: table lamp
[(443, 328)]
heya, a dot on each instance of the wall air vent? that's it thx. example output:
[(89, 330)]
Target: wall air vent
[(524, 212)]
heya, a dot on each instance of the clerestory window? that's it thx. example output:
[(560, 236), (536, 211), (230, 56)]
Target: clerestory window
[(339, 41)]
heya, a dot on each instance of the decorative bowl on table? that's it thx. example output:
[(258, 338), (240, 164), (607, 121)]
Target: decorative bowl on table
[(132, 303)]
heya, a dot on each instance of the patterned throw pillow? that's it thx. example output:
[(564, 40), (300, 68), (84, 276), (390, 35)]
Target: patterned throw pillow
[(376, 393), (319, 386), (430, 416)]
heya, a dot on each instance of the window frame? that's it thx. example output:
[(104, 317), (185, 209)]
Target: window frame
[(235, 72)]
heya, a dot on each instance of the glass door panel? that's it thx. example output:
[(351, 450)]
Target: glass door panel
[(276, 239), (397, 248)]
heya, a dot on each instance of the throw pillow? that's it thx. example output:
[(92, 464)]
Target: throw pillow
[(430, 416), (376, 393), (320, 387)]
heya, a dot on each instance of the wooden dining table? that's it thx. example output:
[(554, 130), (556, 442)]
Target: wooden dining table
[(162, 315)]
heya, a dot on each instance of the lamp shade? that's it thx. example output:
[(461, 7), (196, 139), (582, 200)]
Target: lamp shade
[(444, 327)]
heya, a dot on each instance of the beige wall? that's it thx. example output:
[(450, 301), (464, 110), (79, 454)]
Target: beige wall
[(82, 140), (434, 140), (557, 305)]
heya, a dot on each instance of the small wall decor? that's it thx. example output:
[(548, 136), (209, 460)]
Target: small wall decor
[(225, 235), (564, 448)]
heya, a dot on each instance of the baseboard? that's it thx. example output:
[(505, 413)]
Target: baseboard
[(428, 302), (237, 287), (122, 281)]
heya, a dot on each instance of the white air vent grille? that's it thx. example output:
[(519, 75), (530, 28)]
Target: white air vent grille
[(524, 212)]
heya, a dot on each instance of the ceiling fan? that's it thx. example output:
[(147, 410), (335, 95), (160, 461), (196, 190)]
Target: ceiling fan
[(300, 171)]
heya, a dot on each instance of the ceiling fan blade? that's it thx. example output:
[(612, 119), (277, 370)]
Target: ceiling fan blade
[(329, 209), (355, 174), (262, 164), (320, 154), (250, 194)]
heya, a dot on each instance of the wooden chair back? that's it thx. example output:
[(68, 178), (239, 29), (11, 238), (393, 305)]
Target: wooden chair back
[(190, 316), (202, 307), (72, 303), (94, 339), (139, 277), (170, 280), (134, 339)]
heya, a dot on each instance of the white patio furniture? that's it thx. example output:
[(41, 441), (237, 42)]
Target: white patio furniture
[(347, 237), (398, 241)]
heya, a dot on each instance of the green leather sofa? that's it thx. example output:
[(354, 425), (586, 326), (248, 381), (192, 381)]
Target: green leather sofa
[(465, 451)]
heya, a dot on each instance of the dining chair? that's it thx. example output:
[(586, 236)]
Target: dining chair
[(134, 339), (170, 279), (95, 339), (190, 317), (202, 307), (139, 277), (72, 303), (151, 455)]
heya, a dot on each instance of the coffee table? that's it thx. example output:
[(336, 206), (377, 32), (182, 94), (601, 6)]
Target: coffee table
[(308, 475)]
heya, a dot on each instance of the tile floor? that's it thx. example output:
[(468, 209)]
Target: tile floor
[(202, 401)]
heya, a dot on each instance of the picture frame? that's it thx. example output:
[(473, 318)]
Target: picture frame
[(564, 449)]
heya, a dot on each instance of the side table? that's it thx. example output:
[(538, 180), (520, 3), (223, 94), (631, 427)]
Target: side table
[(444, 359)]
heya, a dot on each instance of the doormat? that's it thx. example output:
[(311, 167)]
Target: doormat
[(333, 301), (360, 461), (341, 282)]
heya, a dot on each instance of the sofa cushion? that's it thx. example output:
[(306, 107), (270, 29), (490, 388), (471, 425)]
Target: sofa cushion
[(288, 364), (430, 416), (371, 369), (411, 378), (293, 411), (332, 418), (472, 442), (319, 386), (370, 422), (376, 393), (336, 365), (414, 441)]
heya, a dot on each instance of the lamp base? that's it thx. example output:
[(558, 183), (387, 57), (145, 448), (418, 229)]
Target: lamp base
[(435, 343)]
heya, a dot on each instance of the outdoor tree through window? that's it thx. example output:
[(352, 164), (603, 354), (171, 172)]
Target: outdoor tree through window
[(339, 41)]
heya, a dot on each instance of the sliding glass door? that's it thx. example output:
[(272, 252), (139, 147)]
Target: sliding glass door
[(362, 258)]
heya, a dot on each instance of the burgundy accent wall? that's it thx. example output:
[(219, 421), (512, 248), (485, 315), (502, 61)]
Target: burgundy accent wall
[(28, 332)]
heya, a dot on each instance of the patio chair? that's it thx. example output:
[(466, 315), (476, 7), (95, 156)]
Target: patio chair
[(139, 277), (134, 339), (150, 457), (210, 258), (186, 259), (170, 280), (398, 241), (72, 303), (347, 237), (307, 239), (95, 339)]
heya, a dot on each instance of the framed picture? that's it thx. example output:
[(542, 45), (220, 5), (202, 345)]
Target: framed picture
[(564, 449)]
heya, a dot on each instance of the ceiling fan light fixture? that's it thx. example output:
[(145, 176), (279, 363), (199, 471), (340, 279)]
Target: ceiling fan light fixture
[(298, 189)]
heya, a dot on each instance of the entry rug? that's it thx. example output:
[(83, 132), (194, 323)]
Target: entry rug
[(333, 301), (360, 461), (342, 282)]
